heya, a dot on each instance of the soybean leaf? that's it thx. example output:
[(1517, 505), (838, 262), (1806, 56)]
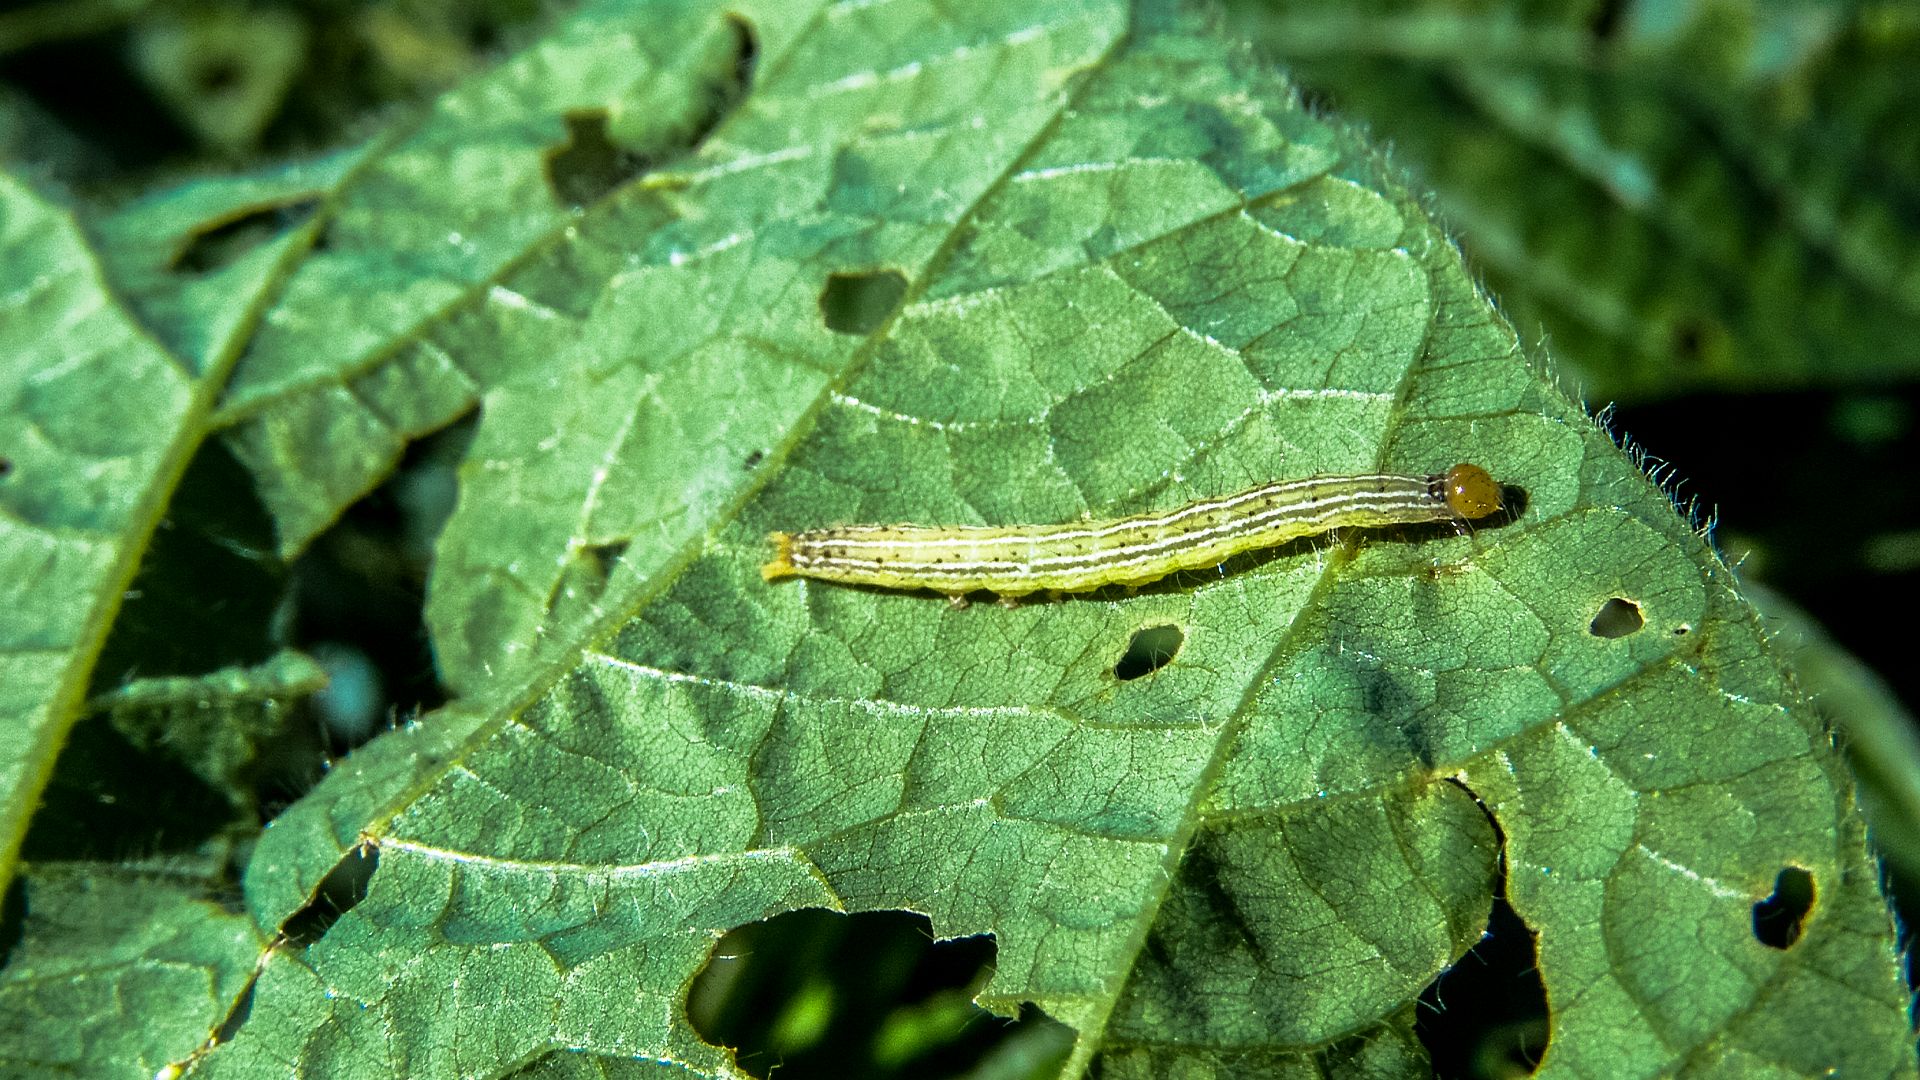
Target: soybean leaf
[(1005, 266)]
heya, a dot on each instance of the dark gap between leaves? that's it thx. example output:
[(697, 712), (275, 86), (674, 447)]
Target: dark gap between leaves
[(111, 799), (1778, 920), (359, 593), (1151, 648), (237, 1016)]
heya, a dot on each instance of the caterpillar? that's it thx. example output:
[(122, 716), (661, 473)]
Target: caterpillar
[(1014, 560)]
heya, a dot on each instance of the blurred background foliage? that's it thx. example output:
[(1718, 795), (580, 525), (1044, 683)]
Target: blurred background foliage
[(1704, 212)]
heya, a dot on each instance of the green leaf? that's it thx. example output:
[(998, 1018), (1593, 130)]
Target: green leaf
[(970, 264), (215, 723), (92, 412), (118, 971), (416, 304), (1678, 196)]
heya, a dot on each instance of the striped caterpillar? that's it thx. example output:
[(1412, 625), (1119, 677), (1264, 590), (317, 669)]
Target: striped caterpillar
[(1014, 560)]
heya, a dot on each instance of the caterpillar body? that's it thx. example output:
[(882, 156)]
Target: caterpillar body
[(1015, 560)]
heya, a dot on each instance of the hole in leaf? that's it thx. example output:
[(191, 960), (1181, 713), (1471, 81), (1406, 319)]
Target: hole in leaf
[(724, 83), (859, 303), (820, 994), (1778, 920), (588, 164), (1617, 618), (604, 556), (1682, 630), (1151, 649), (1513, 507), (220, 243), (754, 458), (1487, 1014), (344, 886), (6, 467), (591, 568), (592, 162)]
